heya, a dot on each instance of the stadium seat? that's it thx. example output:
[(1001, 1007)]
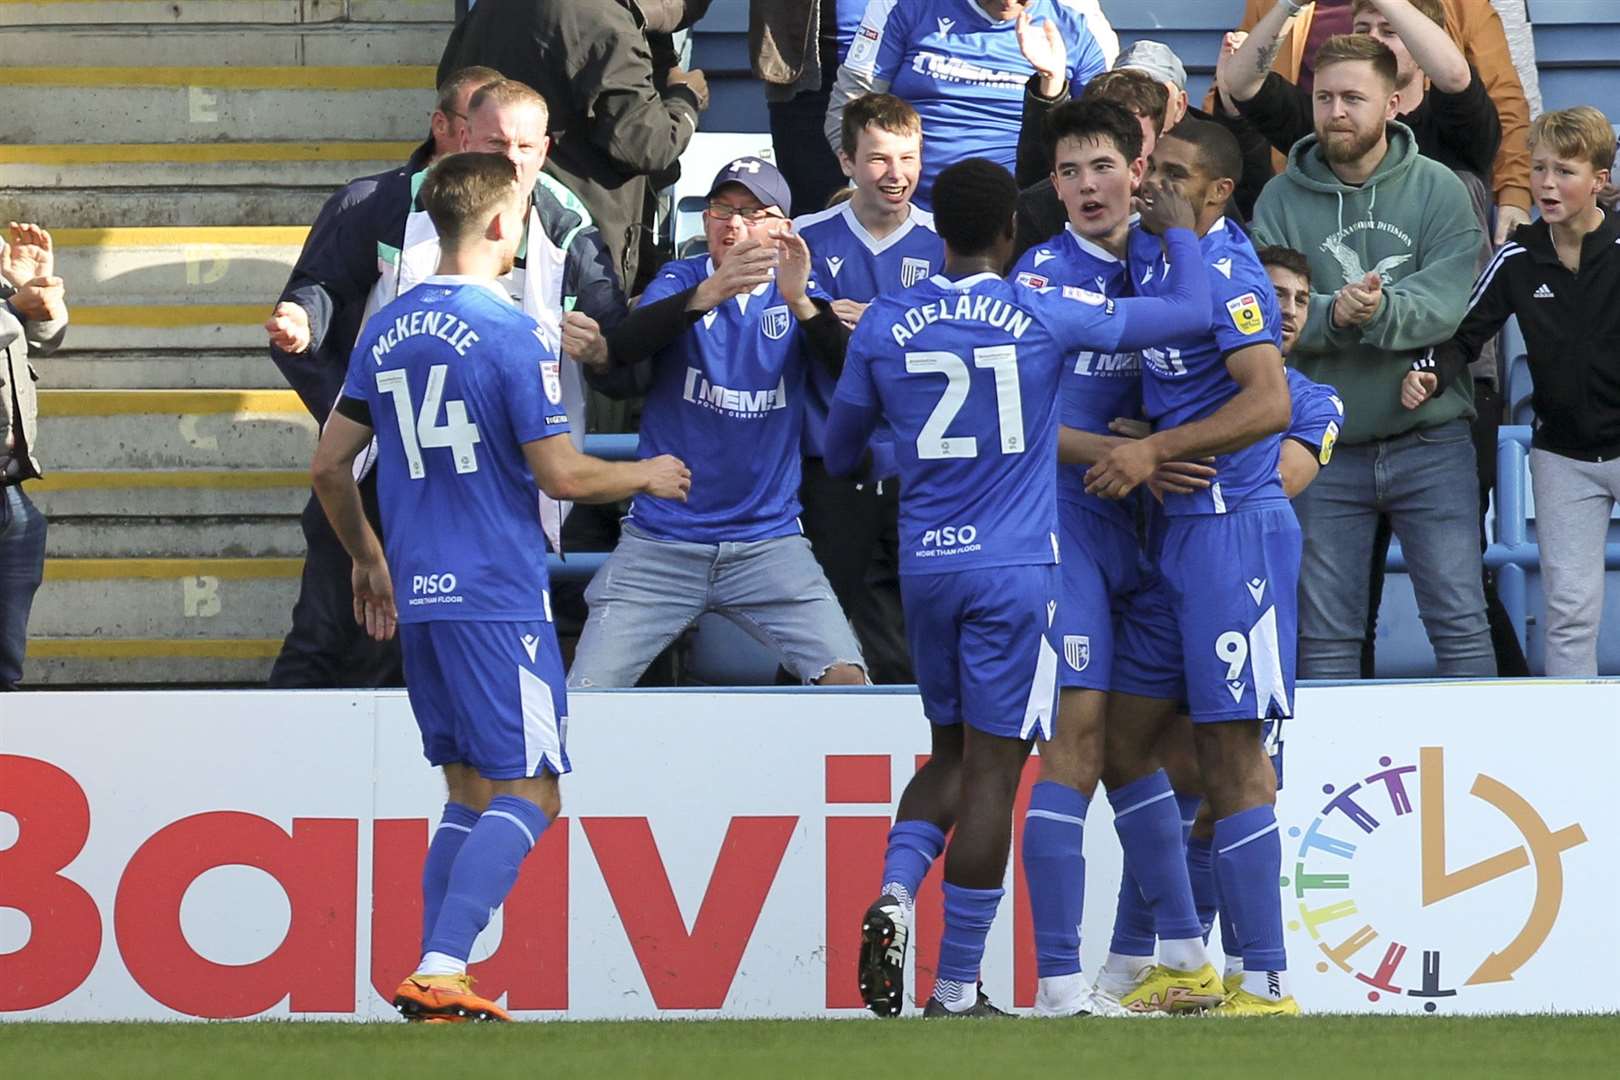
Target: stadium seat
[(1578, 52)]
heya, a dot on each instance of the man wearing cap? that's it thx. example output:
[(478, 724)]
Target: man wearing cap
[(1040, 213), (730, 336)]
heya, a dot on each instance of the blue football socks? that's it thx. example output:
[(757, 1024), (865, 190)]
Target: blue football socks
[(455, 825), (913, 847), (484, 872), (1149, 827), (1055, 874), (1248, 860), (968, 915), (1201, 876)]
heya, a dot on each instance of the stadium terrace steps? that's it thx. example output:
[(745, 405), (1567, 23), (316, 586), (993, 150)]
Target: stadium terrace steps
[(195, 537), (175, 429), (165, 13), (155, 206), (321, 166), (90, 661), (168, 493), (165, 266), (316, 44), (178, 598), (161, 369), (192, 105)]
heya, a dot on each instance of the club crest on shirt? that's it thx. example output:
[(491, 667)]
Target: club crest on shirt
[(551, 379), (912, 271), (1077, 651), (1245, 312), (775, 322)]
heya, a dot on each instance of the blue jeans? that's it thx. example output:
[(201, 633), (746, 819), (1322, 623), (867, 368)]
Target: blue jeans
[(1425, 482), (22, 568)]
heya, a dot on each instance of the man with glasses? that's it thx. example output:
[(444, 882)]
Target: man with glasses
[(731, 335)]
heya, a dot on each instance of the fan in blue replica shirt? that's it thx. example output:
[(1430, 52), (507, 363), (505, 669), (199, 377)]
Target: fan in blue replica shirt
[(1231, 553), (872, 243), (731, 336), (965, 368), (959, 63), (466, 403), (1115, 622)]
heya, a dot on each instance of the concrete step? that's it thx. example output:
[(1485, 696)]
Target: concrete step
[(161, 369), (166, 598), (321, 44), (166, 326), (204, 104), (233, 264), (143, 493), (202, 165), (170, 12), (174, 538), (91, 661), (149, 207), (175, 429)]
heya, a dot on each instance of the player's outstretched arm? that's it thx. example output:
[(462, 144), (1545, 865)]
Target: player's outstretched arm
[(1261, 407), (563, 472), (332, 475)]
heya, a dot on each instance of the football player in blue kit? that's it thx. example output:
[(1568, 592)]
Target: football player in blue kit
[(1230, 551), (874, 242), (1110, 593), (965, 368), (960, 64), (466, 403)]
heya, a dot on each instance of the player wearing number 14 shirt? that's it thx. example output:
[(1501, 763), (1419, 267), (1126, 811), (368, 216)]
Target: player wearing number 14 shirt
[(466, 404), (965, 368)]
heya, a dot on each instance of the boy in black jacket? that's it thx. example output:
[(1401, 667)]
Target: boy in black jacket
[(1560, 276)]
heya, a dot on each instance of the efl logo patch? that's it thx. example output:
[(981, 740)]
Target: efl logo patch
[(1077, 651), (551, 378), (863, 50), (775, 322), (1329, 436), (1032, 281), (1246, 315), (912, 271)]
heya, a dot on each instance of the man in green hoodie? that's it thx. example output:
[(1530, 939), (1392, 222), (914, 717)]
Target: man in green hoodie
[(1392, 241)]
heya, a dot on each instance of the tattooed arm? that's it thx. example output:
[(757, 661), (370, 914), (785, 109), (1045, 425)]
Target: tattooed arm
[(1241, 77)]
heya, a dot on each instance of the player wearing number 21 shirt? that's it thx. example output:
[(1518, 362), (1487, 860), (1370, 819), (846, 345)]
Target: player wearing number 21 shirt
[(965, 368)]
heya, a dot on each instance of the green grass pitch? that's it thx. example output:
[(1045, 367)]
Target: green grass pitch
[(1311, 1048)]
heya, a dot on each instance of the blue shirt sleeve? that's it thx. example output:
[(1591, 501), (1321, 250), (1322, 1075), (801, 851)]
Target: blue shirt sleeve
[(882, 40), (672, 278), (855, 383), (1245, 314), (354, 383), (1086, 62), (531, 386)]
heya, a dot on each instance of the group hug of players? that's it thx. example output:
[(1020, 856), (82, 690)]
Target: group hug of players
[(1096, 538)]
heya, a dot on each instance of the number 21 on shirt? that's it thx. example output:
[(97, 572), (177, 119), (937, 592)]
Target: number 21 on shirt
[(932, 442)]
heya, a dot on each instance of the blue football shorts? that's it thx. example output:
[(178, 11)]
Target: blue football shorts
[(488, 694), (982, 647), (1234, 579)]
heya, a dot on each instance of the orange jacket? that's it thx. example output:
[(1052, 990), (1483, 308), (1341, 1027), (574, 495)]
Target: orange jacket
[(1477, 30)]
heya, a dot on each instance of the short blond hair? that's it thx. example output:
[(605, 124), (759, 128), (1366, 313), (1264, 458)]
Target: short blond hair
[(1579, 134), (1359, 48), (505, 92)]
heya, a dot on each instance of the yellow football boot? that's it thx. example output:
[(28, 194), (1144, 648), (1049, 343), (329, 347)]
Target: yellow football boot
[(1167, 990), (1242, 1003)]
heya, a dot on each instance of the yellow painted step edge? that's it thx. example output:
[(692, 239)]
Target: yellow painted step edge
[(174, 236), (218, 479), (201, 153), (144, 648), (65, 403), (163, 316), (170, 569), (371, 77)]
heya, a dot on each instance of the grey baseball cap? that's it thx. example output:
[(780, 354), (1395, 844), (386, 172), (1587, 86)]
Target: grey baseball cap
[(762, 179), (1154, 58)]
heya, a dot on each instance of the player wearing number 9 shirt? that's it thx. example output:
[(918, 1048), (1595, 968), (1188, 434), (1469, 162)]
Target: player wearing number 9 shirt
[(466, 404), (965, 368)]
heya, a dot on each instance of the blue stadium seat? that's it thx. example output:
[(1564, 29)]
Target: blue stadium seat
[(1578, 52)]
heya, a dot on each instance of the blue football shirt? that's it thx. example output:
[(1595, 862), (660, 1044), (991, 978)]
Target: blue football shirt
[(964, 73), (1097, 386), (457, 380), (1185, 378), (728, 399), (852, 264), (1318, 415), (966, 373)]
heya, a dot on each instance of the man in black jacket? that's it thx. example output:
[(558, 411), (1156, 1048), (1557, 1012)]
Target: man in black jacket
[(351, 265), (615, 118)]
